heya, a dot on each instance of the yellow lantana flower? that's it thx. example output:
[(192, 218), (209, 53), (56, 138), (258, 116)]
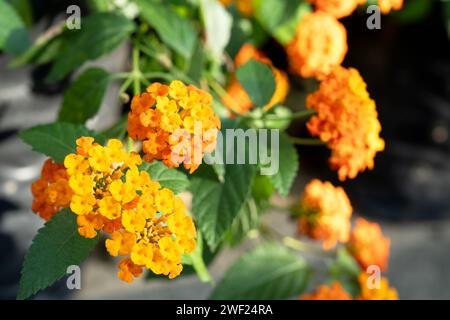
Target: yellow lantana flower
[(148, 223)]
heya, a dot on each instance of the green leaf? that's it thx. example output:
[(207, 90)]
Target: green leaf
[(218, 23), (288, 166), (57, 140), (197, 64), (248, 219), (100, 33), (280, 17), (13, 35), (56, 247), (24, 10), (270, 271), (84, 96), (216, 204), (258, 81), (345, 269), (177, 32), (167, 177)]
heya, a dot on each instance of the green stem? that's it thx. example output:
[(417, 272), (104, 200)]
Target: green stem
[(136, 72), (306, 247), (307, 141), (130, 144), (125, 85), (200, 268), (158, 75), (293, 116)]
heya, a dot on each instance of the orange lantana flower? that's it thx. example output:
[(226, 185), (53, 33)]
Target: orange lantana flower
[(51, 192), (325, 213), (245, 7), (368, 245), (387, 5), (347, 121), (320, 45), (237, 99), (337, 8), (371, 290), (323, 292), (176, 124)]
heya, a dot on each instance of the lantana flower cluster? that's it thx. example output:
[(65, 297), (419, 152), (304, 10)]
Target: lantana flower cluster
[(320, 42), (320, 45), (237, 98), (175, 123), (51, 192), (335, 291), (104, 187), (325, 213), (347, 120), (148, 223)]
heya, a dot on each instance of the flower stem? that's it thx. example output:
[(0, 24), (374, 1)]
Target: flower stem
[(294, 116), (136, 72), (307, 141)]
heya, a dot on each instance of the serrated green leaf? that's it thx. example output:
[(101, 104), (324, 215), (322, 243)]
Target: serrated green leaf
[(270, 271), (216, 204), (258, 81), (288, 166), (177, 32), (57, 139), (56, 247), (100, 33), (13, 35), (167, 177), (84, 96)]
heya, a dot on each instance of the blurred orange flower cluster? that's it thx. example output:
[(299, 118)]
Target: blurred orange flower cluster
[(176, 124), (320, 45), (237, 99), (245, 7), (336, 292), (324, 214), (51, 192), (347, 121)]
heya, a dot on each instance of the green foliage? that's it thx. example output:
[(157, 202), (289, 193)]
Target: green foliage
[(56, 140), (270, 271), (284, 17), (13, 35), (167, 177), (216, 204), (56, 247), (43, 51), (177, 32), (345, 269), (288, 166), (258, 81), (84, 97), (218, 24), (100, 34)]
